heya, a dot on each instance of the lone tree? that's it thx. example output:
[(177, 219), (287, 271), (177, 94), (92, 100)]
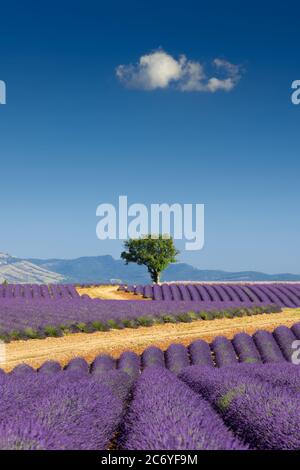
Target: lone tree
[(155, 252)]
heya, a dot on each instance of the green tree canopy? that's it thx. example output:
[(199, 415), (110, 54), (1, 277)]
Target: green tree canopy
[(154, 252)]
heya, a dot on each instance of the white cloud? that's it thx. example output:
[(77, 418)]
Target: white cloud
[(153, 71), (160, 70)]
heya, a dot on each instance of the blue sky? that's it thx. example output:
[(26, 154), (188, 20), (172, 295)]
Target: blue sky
[(73, 136)]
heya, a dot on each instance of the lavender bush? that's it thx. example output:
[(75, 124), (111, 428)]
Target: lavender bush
[(223, 351), (50, 367), (267, 347), (153, 356), (245, 348), (200, 353), (57, 412), (296, 330), (177, 358), (166, 414), (274, 293), (35, 317), (285, 338), (263, 415), (282, 374), (130, 363), (102, 364)]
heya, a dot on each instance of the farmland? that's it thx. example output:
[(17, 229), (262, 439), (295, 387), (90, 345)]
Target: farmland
[(114, 342), (158, 400), (182, 366), (287, 295), (32, 311)]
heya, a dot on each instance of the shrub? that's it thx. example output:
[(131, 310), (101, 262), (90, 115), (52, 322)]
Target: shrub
[(129, 323), (99, 326), (113, 324), (4, 337), (243, 312), (184, 317), (206, 315), (14, 335), (219, 314), (257, 310), (52, 331), (30, 333), (169, 319), (145, 321), (157, 320), (193, 316), (228, 314), (248, 312), (81, 327)]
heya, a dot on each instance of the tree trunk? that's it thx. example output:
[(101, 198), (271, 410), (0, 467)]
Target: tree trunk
[(156, 277)]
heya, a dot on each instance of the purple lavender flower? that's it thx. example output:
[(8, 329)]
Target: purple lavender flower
[(22, 369), (129, 362), (153, 356), (245, 348), (200, 353), (177, 358), (296, 330), (102, 364), (267, 347), (166, 414), (27, 434), (263, 415), (78, 364), (50, 367), (224, 351), (285, 339)]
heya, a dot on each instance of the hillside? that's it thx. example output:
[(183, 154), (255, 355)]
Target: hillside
[(106, 269), (14, 270), (103, 269)]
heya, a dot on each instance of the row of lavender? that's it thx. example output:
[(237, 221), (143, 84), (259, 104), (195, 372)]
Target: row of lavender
[(38, 291), (285, 295), (48, 317), (262, 347), (251, 406), (245, 407)]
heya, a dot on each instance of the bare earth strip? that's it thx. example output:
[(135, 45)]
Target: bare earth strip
[(114, 342), (108, 292)]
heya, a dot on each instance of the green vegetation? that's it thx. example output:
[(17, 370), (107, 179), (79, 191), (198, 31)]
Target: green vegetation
[(145, 321), (155, 252), (52, 331)]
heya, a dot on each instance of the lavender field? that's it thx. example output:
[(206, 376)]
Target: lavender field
[(263, 347), (36, 311), (283, 294), (245, 406), (39, 318), (227, 395)]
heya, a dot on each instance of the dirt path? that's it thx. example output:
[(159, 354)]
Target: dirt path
[(108, 292), (114, 342)]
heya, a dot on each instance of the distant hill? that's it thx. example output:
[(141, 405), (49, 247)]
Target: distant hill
[(186, 272), (104, 269), (90, 269), (14, 270)]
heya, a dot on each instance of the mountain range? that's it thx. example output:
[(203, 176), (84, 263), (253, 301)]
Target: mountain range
[(106, 269)]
